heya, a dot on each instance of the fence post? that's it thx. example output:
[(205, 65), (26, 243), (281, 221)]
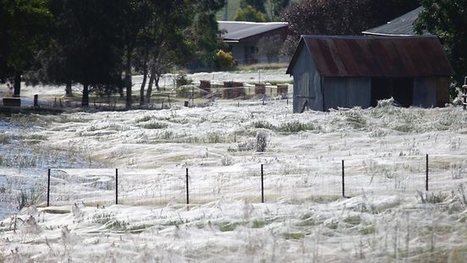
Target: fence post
[(187, 189), (262, 184), (426, 169), (116, 186), (48, 187), (343, 179)]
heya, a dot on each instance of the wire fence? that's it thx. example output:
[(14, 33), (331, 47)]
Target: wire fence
[(270, 182)]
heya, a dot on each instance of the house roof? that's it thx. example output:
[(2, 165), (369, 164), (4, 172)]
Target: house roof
[(235, 31), (401, 26), (371, 56)]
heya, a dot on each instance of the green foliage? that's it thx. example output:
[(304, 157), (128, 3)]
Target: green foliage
[(154, 125), (182, 80), (224, 60), (277, 7), (294, 127), (447, 20), (249, 13), (24, 26), (256, 4), (339, 17)]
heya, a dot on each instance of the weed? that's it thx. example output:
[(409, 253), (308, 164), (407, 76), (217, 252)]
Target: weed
[(227, 227), (263, 125), (109, 221), (294, 127), (261, 141), (259, 223), (294, 235), (154, 125), (144, 119), (28, 198), (214, 137), (355, 119), (367, 230), (432, 198), (4, 139)]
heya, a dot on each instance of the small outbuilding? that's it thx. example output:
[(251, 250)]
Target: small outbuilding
[(252, 42), (349, 71)]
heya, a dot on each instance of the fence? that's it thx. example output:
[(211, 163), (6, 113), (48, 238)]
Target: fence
[(269, 182)]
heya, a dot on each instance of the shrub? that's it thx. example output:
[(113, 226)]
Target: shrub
[(224, 60), (154, 125), (294, 126), (261, 141), (182, 80), (263, 125)]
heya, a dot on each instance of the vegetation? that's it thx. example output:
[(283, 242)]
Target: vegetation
[(448, 20), (24, 27), (336, 17), (99, 43), (250, 13)]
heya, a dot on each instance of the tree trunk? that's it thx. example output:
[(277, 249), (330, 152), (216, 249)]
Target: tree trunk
[(151, 83), (156, 80), (68, 90), (143, 84), (129, 99), (85, 98), (17, 85)]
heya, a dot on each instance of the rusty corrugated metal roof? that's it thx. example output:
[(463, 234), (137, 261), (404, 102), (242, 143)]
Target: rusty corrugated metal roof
[(360, 56)]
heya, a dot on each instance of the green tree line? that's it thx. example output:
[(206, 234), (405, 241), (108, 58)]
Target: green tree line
[(100, 43)]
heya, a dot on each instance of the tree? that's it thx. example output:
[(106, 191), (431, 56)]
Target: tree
[(177, 32), (249, 13), (256, 4), (339, 17), (23, 31), (86, 44), (447, 20), (204, 33), (277, 6)]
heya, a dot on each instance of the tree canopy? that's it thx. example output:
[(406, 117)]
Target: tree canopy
[(447, 20), (24, 26), (339, 17), (99, 43)]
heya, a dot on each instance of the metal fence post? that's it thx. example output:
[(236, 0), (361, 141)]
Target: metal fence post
[(262, 184), (426, 169), (343, 179), (116, 186), (48, 187), (187, 189)]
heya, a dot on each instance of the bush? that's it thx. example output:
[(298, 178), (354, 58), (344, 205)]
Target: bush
[(182, 80), (261, 141), (224, 60), (294, 126)]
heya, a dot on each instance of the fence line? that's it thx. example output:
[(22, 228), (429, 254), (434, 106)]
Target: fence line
[(201, 186)]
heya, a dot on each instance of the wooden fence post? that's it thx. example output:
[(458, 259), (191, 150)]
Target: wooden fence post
[(262, 184), (116, 186), (187, 189), (48, 187)]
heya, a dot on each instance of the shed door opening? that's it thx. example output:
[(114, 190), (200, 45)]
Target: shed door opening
[(401, 89)]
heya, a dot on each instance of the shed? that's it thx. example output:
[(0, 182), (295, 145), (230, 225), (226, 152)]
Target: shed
[(243, 37), (349, 71)]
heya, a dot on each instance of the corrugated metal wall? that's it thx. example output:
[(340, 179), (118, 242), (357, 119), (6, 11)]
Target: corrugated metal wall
[(424, 92), (347, 92), (307, 84)]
